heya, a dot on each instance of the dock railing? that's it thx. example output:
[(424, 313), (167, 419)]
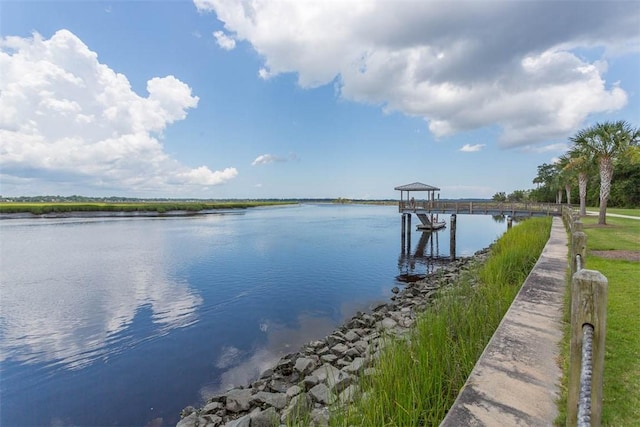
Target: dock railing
[(588, 330), (481, 207)]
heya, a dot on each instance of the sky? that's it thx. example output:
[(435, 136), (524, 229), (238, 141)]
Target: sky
[(304, 99)]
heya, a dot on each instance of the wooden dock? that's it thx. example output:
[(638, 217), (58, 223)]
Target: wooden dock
[(479, 208)]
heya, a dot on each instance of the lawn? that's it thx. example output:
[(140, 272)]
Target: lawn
[(618, 211), (611, 249), (620, 234)]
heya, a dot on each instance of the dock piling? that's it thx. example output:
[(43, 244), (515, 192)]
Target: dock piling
[(452, 236)]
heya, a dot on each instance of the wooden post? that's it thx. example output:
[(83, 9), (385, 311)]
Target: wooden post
[(588, 306), (409, 233), (403, 232), (578, 247), (452, 237)]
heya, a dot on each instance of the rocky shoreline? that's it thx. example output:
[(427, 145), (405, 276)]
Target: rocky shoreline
[(325, 372)]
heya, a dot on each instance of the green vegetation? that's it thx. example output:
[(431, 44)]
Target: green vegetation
[(603, 162), (621, 403), (160, 207), (417, 379), (620, 234)]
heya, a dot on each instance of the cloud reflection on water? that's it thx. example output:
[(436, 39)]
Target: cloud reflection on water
[(74, 300)]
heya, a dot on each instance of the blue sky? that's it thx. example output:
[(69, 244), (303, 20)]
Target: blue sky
[(262, 99)]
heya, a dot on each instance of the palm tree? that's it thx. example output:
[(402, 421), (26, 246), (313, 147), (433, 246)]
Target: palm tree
[(556, 184), (567, 175), (606, 141), (580, 162)]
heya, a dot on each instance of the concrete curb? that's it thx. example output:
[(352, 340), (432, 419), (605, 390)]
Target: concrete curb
[(516, 381)]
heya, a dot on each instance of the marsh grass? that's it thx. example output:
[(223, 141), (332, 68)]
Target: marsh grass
[(418, 377), (160, 207)]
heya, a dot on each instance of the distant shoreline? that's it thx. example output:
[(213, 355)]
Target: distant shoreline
[(117, 214), (125, 210)]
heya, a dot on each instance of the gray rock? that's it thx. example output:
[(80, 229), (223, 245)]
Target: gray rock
[(209, 421), (304, 365), (190, 420), (322, 394), (276, 400), (316, 344), (388, 323), (356, 366), (351, 336), (329, 358), (320, 417), (342, 363), (322, 350), (339, 382), (285, 365), (244, 421), (378, 307), (310, 381), (325, 371), (279, 386), (339, 349), (188, 410), (348, 394), (395, 289), (266, 418), (294, 391), (238, 400), (352, 352), (266, 374), (212, 407), (361, 346)]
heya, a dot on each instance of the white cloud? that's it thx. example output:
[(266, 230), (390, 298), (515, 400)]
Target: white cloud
[(459, 65), (265, 159), (224, 41), (65, 117), (204, 176), (468, 148)]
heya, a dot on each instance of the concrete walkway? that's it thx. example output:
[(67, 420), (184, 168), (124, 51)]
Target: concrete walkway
[(516, 381)]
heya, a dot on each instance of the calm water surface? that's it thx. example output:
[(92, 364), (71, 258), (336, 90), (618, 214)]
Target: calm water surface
[(125, 322)]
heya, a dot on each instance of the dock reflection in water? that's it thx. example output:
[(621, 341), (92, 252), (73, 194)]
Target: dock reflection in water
[(425, 259)]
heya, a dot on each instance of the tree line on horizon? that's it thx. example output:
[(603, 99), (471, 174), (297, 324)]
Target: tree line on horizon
[(603, 163)]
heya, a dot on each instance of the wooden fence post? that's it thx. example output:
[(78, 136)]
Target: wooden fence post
[(578, 247), (588, 306)]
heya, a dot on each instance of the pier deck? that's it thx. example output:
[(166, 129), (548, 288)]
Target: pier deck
[(479, 208)]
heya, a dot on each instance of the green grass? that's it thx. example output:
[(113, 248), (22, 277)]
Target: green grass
[(619, 211), (621, 393), (161, 207), (419, 378), (618, 234)]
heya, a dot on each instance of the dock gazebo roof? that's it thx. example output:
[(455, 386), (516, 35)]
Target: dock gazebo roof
[(416, 186)]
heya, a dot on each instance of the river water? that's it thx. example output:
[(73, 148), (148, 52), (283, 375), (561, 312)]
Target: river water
[(125, 321)]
